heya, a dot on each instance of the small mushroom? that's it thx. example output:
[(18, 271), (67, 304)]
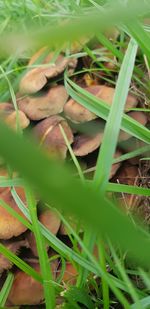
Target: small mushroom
[(78, 113), (47, 104), (128, 174), (84, 144), (9, 115), (115, 166), (70, 274), (138, 116), (51, 221), (9, 225), (49, 134), (25, 289), (14, 246), (73, 223), (35, 79), (4, 173)]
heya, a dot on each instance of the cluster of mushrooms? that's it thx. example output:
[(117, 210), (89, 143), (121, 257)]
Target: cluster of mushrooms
[(44, 107)]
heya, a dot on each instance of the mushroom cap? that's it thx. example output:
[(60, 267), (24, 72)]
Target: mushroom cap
[(84, 144), (26, 290), (70, 274), (115, 166), (4, 173), (106, 94), (6, 108), (138, 116), (45, 105), (9, 225), (78, 113), (35, 79), (11, 120), (49, 134), (9, 115), (14, 246), (128, 174), (51, 221)]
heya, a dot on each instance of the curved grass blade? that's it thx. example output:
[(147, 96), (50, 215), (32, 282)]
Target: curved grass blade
[(101, 109), (142, 38), (20, 263), (144, 302)]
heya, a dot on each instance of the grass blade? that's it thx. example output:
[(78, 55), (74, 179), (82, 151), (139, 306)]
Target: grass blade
[(42, 174), (140, 35), (101, 109), (6, 289), (49, 291), (111, 132)]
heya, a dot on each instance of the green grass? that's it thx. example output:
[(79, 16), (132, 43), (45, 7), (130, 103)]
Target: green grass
[(122, 242)]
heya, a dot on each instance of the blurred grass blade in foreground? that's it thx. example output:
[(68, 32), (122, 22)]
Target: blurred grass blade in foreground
[(57, 186)]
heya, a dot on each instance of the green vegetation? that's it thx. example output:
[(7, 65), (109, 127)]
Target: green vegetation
[(118, 274)]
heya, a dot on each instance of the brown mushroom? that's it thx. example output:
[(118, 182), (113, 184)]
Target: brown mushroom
[(49, 134), (25, 289), (35, 79), (23, 121), (47, 104), (4, 173), (128, 174), (115, 166), (9, 115), (51, 221), (9, 225), (70, 274), (84, 144), (72, 222), (14, 246), (138, 116), (78, 113)]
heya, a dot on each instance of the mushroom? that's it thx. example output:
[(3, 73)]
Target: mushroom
[(25, 289), (128, 174), (115, 166), (51, 221), (14, 246), (9, 115), (138, 116), (9, 225), (78, 113), (47, 104), (35, 79), (84, 144), (70, 274), (4, 174), (49, 134)]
